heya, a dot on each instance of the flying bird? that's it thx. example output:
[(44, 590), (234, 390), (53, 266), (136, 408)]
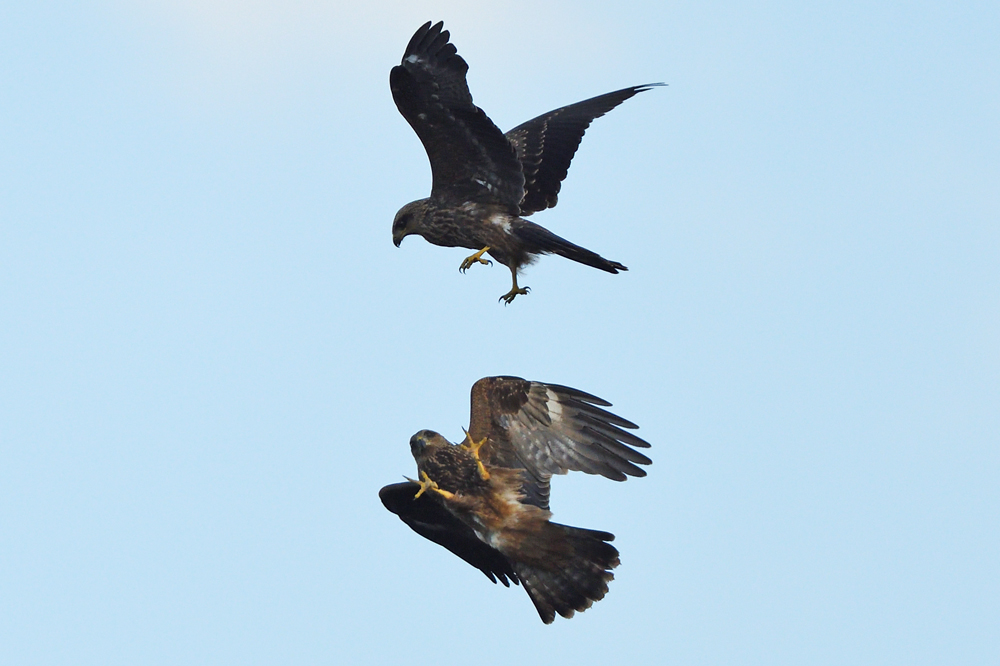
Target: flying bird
[(487, 500), (486, 182)]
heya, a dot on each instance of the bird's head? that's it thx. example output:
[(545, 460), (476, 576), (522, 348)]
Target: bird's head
[(408, 220), (424, 439)]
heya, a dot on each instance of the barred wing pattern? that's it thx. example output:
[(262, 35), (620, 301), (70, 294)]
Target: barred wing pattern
[(546, 145), (549, 429)]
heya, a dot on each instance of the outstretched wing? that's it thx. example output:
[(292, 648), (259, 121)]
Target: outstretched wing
[(428, 517), (549, 429), (471, 159), (546, 145)]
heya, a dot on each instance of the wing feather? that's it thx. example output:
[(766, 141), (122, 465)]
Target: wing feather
[(471, 159), (550, 429), (429, 518), (546, 145)]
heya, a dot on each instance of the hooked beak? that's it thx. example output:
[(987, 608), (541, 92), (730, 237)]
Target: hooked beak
[(417, 444)]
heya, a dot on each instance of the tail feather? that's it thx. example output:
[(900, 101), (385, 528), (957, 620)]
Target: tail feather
[(544, 240), (566, 569)]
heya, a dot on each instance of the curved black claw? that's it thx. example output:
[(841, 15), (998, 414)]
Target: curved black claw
[(509, 297), (476, 258), (485, 262)]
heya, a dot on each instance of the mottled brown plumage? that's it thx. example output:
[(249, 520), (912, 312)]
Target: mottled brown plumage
[(452, 467), (484, 181), (548, 429), (497, 518)]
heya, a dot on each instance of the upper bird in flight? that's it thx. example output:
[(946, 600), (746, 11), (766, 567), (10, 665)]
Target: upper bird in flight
[(484, 181)]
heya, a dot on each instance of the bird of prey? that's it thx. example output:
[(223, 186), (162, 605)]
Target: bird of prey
[(486, 182), (487, 500)]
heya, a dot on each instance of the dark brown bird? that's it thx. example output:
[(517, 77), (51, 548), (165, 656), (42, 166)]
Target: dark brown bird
[(487, 500), (486, 182)]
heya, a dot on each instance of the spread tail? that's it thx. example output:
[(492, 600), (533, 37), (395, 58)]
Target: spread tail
[(544, 240), (565, 569)]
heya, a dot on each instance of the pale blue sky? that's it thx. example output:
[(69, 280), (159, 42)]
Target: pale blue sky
[(213, 356)]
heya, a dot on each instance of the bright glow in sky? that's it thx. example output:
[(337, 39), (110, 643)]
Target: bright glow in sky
[(213, 356)]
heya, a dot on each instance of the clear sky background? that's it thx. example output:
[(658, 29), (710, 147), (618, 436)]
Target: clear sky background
[(212, 356)]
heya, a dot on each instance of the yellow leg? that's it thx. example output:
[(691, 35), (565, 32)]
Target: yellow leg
[(476, 258), (474, 447), (515, 291), (426, 484)]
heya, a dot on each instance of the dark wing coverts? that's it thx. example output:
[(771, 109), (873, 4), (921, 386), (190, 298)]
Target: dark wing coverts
[(428, 517), (546, 145), (549, 429), (471, 159)]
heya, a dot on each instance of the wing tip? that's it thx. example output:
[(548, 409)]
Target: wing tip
[(577, 394), (426, 39), (391, 496)]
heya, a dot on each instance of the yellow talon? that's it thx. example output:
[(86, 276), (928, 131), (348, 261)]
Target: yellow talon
[(514, 292), (475, 258), (427, 484), (474, 447)]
